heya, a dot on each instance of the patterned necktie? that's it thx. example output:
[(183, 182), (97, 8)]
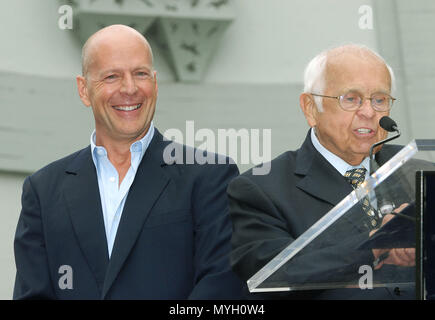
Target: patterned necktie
[(355, 177)]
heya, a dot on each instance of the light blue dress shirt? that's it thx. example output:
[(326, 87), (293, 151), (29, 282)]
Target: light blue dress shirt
[(342, 166), (338, 163), (113, 197)]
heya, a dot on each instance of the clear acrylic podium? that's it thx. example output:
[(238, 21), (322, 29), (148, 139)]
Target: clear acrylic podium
[(343, 249)]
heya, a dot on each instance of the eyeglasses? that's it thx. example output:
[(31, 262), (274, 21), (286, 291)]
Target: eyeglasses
[(352, 100)]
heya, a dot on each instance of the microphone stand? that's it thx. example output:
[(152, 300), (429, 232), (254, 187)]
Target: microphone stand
[(373, 163)]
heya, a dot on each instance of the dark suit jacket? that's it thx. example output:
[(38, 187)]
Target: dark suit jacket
[(173, 240), (270, 211)]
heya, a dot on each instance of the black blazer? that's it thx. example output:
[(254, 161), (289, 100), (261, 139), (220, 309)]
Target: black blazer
[(172, 242), (268, 212)]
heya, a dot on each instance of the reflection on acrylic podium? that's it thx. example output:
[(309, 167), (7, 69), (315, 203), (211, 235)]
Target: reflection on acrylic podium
[(344, 250)]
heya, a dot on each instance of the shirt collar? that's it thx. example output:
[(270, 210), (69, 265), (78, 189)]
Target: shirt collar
[(338, 163), (139, 147)]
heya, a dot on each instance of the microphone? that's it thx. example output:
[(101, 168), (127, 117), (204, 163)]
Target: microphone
[(389, 125)]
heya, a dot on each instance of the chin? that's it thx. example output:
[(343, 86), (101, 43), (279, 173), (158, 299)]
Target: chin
[(364, 147), (362, 152), (128, 133)]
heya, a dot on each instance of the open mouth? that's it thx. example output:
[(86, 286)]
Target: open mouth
[(364, 130), (128, 108)]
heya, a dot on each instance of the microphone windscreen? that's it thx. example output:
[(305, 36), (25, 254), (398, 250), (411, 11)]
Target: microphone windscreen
[(388, 124)]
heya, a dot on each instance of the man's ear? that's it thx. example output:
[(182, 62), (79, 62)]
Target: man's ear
[(83, 90), (309, 108), (155, 80)]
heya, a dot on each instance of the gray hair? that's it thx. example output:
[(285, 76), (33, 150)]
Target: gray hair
[(314, 74)]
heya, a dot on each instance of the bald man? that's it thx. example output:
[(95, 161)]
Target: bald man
[(115, 220), (347, 91)]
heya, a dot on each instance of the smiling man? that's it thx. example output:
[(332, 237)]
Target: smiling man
[(356, 96), (114, 220), (347, 91)]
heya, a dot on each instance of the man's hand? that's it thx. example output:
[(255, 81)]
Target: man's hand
[(403, 257)]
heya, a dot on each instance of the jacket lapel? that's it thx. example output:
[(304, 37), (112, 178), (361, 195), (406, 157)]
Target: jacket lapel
[(84, 206), (148, 184), (318, 177)]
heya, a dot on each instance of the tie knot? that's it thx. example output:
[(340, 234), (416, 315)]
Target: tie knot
[(355, 176)]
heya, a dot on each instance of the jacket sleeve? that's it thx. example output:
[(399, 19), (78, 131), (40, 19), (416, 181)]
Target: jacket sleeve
[(214, 278), (261, 232), (32, 279)]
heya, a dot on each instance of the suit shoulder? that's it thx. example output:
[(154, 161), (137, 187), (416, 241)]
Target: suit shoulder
[(185, 161), (392, 148), (56, 166), (387, 152), (275, 170), (192, 157), (283, 162)]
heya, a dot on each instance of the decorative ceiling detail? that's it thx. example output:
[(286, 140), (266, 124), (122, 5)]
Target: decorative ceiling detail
[(187, 30)]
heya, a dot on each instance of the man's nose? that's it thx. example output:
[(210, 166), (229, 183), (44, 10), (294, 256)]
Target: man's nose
[(366, 109), (128, 85)]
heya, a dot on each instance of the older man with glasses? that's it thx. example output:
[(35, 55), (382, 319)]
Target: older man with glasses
[(347, 91)]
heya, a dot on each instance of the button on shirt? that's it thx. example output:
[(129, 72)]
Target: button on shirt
[(112, 194)]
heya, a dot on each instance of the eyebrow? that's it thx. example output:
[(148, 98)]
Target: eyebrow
[(105, 72), (116, 70)]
